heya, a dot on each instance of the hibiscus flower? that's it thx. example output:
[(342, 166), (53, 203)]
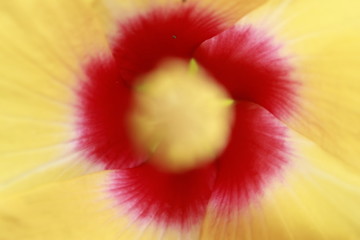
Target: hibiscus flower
[(190, 119)]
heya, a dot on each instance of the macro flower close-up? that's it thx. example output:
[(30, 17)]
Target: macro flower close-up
[(179, 119)]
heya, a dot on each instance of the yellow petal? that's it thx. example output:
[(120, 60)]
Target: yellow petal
[(316, 198), (82, 208), (321, 39), (43, 47), (230, 10), (76, 209)]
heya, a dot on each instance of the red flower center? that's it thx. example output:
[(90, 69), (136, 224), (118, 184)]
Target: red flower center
[(241, 59)]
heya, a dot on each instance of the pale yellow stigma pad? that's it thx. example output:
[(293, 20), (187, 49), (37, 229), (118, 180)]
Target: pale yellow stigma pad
[(181, 117)]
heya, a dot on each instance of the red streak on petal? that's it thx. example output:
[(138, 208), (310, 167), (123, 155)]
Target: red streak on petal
[(146, 40), (104, 104), (256, 153), (178, 199), (249, 66)]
